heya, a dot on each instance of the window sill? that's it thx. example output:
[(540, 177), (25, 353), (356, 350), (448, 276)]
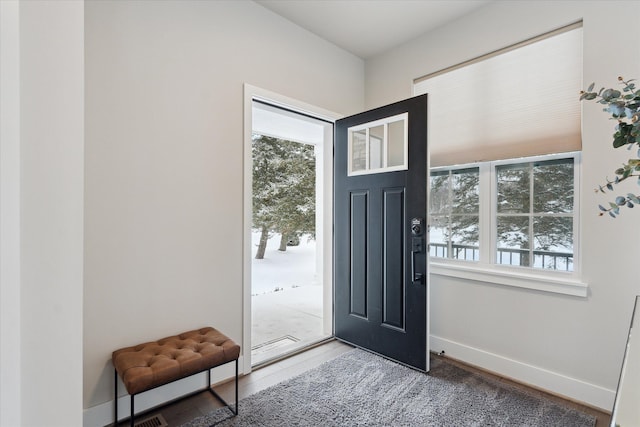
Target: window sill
[(540, 282)]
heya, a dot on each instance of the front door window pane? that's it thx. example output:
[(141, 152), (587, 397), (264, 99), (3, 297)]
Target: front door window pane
[(396, 143), (376, 147), (359, 150)]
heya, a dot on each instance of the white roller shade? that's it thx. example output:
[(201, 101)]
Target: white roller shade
[(521, 101)]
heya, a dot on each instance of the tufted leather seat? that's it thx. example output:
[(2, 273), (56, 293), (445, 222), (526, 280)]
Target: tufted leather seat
[(145, 366), (152, 364)]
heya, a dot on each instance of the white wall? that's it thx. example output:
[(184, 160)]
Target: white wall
[(163, 164), (10, 213), (51, 217), (571, 345)]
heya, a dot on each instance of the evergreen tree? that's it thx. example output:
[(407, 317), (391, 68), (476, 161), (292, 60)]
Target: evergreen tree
[(283, 190)]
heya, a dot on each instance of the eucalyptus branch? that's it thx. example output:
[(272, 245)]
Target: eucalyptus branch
[(624, 107), (630, 200), (609, 185)]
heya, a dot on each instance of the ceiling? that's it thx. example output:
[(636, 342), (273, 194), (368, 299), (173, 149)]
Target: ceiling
[(369, 27)]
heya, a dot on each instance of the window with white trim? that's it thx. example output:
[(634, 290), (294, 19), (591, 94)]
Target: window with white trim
[(516, 213), (503, 129)]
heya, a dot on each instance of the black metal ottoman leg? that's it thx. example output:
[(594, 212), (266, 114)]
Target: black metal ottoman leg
[(236, 386), (115, 397), (132, 411)]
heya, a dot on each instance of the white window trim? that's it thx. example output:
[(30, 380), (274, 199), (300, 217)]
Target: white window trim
[(485, 270), (537, 280)]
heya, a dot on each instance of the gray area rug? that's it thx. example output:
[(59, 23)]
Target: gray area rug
[(361, 389)]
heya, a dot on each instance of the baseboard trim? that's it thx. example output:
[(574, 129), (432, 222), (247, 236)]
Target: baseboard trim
[(553, 382), (102, 414)]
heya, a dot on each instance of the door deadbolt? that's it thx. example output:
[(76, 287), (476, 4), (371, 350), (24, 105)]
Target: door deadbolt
[(417, 226)]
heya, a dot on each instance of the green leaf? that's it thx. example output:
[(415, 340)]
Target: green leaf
[(620, 200), (591, 86), (619, 141), (633, 198), (611, 94), (612, 214), (602, 208)]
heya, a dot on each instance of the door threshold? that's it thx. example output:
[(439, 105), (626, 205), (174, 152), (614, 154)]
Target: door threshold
[(291, 353)]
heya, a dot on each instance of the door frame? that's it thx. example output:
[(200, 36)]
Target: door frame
[(252, 93)]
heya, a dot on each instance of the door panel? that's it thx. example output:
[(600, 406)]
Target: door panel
[(378, 304), (393, 313), (358, 226)]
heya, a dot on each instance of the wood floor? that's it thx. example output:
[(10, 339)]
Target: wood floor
[(186, 409)]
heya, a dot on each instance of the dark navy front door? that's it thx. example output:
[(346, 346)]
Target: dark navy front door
[(380, 253)]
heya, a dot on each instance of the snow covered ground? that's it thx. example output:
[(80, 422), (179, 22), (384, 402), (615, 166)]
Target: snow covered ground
[(282, 270), (286, 299)]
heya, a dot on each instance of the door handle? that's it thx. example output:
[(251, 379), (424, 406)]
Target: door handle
[(416, 248)]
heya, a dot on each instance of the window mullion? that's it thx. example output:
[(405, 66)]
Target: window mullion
[(531, 211), (385, 146), (486, 214), (367, 149), (449, 212)]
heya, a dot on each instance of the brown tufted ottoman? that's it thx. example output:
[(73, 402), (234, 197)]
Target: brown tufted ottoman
[(153, 364)]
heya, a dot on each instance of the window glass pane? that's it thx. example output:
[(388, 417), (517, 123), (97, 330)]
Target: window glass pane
[(439, 197), (553, 186), (438, 236), (465, 191), (513, 188), (553, 242), (465, 244), (376, 147), (397, 141), (359, 150), (454, 209), (513, 240)]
